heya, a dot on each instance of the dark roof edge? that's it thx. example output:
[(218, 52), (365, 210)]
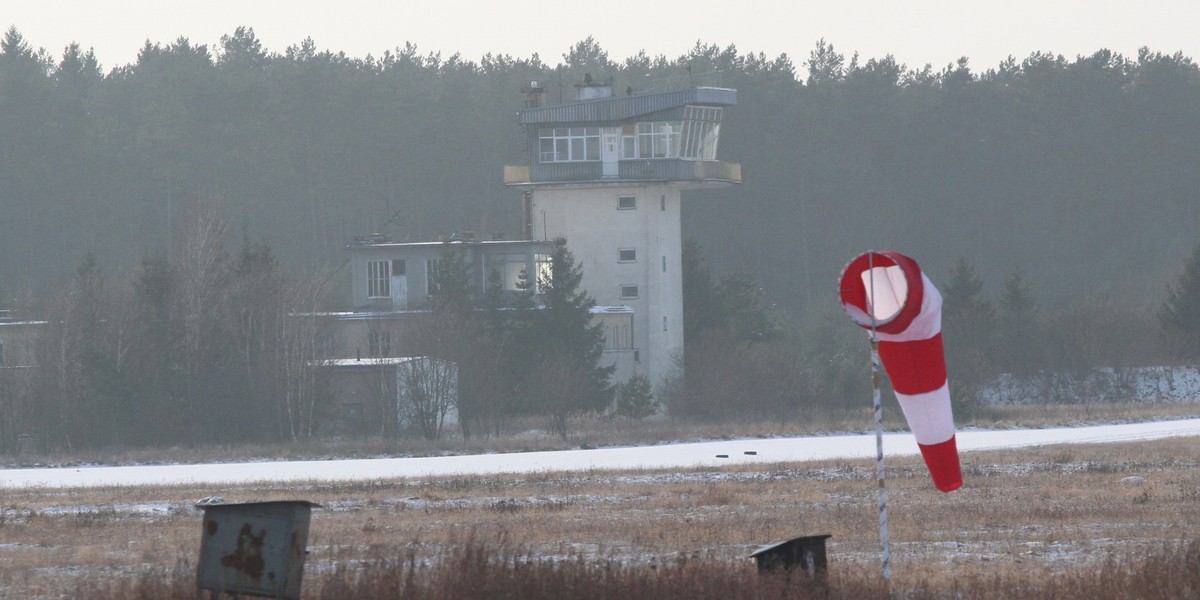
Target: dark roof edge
[(619, 108)]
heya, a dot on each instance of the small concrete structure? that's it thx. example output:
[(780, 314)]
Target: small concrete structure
[(255, 548)]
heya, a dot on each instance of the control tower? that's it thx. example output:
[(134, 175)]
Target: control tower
[(608, 172)]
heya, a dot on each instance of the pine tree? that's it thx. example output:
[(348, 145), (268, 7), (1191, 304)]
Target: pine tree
[(635, 398), (1179, 314), (568, 344), (1018, 348)]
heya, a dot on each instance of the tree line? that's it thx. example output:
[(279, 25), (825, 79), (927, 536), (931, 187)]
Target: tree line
[(1045, 163), (208, 346), (200, 346), (1053, 200)]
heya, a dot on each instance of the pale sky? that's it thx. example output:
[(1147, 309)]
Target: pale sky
[(916, 32)]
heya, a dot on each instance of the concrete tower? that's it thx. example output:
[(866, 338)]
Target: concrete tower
[(607, 173)]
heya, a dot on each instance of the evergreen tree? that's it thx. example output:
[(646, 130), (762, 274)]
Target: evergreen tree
[(968, 320), (1018, 337), (1179, 314), (567, 345), (635, 399)]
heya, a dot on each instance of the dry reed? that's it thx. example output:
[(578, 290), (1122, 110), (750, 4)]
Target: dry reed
[(1101, 521)]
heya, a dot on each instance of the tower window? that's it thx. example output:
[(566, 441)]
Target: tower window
[(568, 144), (626, 255), (629, 292), (626, 202)]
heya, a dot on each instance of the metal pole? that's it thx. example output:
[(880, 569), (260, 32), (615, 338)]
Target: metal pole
[(879, 470)]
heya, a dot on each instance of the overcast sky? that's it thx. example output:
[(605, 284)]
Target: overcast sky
[(916, 32)]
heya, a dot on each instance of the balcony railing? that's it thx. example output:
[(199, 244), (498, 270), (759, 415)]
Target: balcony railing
[(627, 170)]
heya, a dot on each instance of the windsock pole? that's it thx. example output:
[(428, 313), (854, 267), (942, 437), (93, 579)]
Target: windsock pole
[(879, 470)]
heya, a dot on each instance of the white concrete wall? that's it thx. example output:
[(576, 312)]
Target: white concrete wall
[(596, 230)]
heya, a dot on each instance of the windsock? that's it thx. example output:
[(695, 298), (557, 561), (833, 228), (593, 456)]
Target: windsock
[(886, 292)]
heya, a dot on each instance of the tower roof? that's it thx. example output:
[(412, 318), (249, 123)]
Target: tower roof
[(622, 108)]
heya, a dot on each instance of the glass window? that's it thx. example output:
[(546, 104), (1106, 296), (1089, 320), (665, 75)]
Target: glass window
[(629, 292), (379, 344), (542, 264), (617, 338), (569, 144), (656, 139), (378, 279), (629, 146), (432, 273), (511, 267), (701, 130), (626, 202), (627, 255)]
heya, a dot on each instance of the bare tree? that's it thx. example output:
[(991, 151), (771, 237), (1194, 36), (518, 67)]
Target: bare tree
[(427, 394), (302, 331)]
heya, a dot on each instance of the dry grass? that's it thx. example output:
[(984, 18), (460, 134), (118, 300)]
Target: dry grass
[(1044, 522)]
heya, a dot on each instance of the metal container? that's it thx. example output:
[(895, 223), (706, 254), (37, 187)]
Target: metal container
[(255, 548)]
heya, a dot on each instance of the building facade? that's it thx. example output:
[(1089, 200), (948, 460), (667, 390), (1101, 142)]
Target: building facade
[(609, 173)]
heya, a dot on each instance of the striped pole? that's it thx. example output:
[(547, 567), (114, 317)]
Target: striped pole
[(885, 552), (879, 471)]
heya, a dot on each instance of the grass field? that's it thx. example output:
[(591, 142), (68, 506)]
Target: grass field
[(1103, 521)]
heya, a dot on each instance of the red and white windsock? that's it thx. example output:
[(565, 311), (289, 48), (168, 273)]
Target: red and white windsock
[(886, 292)]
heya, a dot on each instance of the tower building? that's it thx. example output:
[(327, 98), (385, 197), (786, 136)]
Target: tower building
[(608, 172)]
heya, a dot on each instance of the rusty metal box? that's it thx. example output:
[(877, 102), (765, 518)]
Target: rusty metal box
[(254, 548)]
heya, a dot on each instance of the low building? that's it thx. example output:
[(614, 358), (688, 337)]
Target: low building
[(380, 396)]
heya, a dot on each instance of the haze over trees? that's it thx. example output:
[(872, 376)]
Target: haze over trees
[(1043, 162), (1053, 200)]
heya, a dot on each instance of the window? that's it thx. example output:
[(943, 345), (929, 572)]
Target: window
[(617, 338), (626, 255), (626, 203), (378, 279), (701, 129), (379, 344), (664, 264), (1, 354), (432, 273), (568, 144), (397, 267), (658, 139), (664, 323), (629, 292), (509, 268), (662, 202), (542, 263)]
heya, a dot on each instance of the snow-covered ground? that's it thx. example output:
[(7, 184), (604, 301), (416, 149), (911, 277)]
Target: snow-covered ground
[(666, 456)]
